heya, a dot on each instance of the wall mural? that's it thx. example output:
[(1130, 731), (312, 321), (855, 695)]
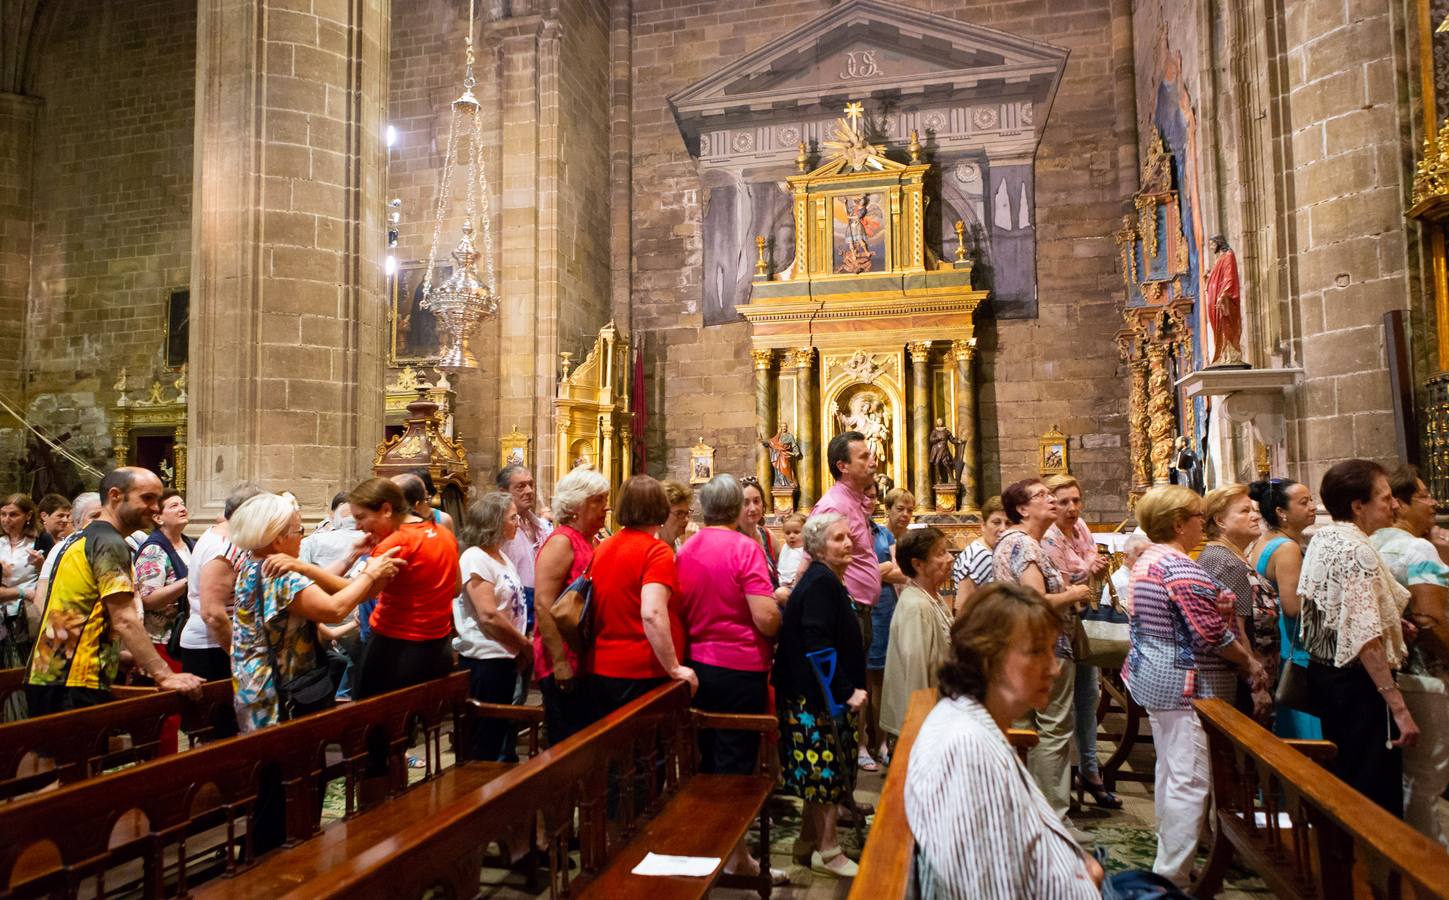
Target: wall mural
[(978, 99)]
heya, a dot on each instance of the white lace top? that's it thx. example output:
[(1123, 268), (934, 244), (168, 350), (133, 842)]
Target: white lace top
[(1349, 598)]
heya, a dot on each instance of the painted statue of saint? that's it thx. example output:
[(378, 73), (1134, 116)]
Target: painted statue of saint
[(1224, 305), (784, 450), (943, 453)]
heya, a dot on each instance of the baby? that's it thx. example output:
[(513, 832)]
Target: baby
[(793, 553)]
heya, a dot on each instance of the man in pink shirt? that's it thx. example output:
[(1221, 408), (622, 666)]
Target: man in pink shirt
[(853, 466)]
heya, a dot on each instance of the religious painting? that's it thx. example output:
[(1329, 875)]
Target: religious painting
[(416, 334), (513, 448), (178, 327), (701, 463), (1053, 453), (859, 240)]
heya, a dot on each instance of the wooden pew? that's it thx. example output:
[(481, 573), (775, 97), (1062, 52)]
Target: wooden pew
[(11, 681), (887, 865), (72, 746), (647, 746), (1305, 832), (143, 821)]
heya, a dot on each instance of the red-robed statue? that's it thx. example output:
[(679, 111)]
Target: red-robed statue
[(1224, 305)]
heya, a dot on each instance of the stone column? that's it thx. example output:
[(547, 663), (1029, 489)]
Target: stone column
[(287, 318), (764, 417), (802, 359), (964, 352), (921, 422), (17, 136)]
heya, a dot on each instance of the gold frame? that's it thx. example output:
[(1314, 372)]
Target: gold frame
[(701, 463), (1050, 440), (514, 440)]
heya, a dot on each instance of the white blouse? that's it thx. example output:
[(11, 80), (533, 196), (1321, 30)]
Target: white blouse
[(983, 829)]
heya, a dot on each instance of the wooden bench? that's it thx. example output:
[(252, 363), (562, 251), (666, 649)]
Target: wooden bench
[(1305, 832), (72, 746), (144, 822), (643, 755), (887, 865)]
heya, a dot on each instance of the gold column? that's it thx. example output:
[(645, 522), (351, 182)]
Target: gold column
[(1161, 421), (178, 449), (1129, 347), (764, 417), (121, 441), (802, 359), (964, 352), (920, 422)]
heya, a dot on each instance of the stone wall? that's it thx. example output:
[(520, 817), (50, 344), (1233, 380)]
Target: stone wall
[(112, 213), (1061, 368)]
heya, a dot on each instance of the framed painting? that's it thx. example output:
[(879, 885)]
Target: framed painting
[(178, 327), (1053, 453), (513, 448), (701, 463), (858, 242), (415, 334)]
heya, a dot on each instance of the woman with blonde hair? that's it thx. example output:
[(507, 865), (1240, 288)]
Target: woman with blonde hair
[(1231, 524), (279, 603), (681, 497), (580, 507), (1181, 650)]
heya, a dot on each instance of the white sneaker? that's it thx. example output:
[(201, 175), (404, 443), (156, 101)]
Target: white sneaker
[(837, 866)]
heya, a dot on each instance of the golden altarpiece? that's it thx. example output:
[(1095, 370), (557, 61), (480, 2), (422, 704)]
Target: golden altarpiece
[(591, 410), (866, 330)]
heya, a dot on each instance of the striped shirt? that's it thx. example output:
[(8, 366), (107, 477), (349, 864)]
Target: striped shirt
[(981, 825), (1176, 632), (974, 563)]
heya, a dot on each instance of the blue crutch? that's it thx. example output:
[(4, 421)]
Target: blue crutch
[(822, 663)]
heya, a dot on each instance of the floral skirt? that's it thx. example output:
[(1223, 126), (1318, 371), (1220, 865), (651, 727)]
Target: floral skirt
[(814, 767)]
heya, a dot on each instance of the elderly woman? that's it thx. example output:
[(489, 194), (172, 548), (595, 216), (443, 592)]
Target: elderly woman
[(681, 497), (1419, 565), (1072, 549), (490, 616), (982, 828), (817, 749), (921, 629), (974, 565), (1182, 649), (275, 640), (1020, 559), (580, 507), (1350, 628), (730, 620), (1231, 523), (752, 513), (638, 639), (1287, 509)]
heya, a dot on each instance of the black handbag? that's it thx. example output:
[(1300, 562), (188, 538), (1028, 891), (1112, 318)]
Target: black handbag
[(1292, 689), (312, 691)]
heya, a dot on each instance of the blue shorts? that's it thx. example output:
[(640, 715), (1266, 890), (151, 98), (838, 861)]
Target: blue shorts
[(880, 630)]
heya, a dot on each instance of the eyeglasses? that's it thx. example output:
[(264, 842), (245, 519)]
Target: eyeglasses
[(1038, 495)]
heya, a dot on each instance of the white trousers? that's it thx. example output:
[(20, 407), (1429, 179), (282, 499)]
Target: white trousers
[(1181, 790), (1050, 761), (1426, 764)]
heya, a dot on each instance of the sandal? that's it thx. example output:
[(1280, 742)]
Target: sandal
[(866, 763), (416, 763), (1100, 795), (836, 864)]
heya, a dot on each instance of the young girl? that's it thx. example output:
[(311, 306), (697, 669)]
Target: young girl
[(792, 553)]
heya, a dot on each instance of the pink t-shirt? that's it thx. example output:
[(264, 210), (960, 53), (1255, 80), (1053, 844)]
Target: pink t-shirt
[(862, 576), (717, 570)]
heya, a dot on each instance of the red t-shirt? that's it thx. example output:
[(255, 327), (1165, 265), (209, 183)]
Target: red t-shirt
[(622, 565), (418, 603)]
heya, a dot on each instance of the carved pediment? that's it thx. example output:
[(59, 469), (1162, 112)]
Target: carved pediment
[(870, 48)]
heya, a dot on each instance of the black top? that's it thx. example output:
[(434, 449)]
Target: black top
[(818, 616)]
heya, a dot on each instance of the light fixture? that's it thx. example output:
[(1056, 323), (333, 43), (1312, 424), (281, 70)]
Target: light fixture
[(389, 265), (390, 135), (464, 299)]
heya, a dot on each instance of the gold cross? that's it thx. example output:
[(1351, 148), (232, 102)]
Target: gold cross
[(854, 111)]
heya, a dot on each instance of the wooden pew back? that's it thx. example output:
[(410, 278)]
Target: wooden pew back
[(12, 681), (66, 842), (644, 750), (1305, 832), (72, 746)]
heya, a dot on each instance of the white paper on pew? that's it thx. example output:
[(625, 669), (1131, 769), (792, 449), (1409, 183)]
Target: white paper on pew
[(1260, 820), (688, 866)]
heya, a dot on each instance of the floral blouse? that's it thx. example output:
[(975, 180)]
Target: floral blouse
[(153, 572), (1014, 554), (1349, 598), (263, 617)]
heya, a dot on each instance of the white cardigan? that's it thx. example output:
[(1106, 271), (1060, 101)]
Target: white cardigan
[(982, 827)]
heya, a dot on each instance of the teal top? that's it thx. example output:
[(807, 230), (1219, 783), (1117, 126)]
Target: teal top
[(1287, 625)]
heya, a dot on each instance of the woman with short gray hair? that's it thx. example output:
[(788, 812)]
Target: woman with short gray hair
[(491, 619)]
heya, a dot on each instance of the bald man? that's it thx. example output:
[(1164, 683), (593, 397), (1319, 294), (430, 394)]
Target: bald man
[(90, 613)]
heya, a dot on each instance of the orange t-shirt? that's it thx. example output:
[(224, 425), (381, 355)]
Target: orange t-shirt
[(622, 565), (418, 603)]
